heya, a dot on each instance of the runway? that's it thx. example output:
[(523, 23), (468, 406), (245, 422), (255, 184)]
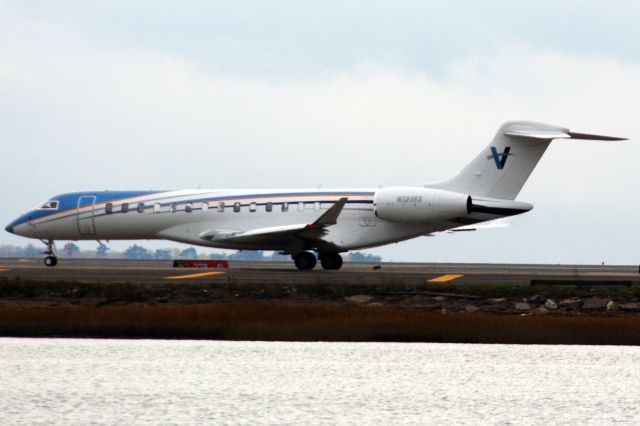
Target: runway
[(406, 274)]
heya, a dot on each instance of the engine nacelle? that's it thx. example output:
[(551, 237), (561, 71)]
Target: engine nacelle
[(420, 205)]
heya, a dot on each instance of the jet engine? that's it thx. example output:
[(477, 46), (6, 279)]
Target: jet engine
[(420, 205)]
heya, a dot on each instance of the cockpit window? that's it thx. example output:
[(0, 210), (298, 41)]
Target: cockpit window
[(50, 205)]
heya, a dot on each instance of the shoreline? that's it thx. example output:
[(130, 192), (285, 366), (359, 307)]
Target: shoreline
[(444, 313), (269, 321)]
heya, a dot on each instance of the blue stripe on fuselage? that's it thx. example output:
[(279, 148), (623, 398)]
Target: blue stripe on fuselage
[(69, 201)]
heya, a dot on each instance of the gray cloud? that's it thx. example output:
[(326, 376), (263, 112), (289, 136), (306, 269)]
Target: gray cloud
[(292, 39)]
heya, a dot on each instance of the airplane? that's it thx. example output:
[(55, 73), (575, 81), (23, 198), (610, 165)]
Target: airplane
[(299, 222)]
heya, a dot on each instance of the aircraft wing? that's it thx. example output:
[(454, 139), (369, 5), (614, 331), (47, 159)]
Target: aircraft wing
[(255, 235), (280, 234)]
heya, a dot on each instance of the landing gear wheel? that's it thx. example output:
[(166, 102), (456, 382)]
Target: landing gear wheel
[(305, 261), (51, 261), (331, 261)]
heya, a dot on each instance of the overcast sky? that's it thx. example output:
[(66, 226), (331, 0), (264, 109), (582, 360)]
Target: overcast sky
[(169, 95)]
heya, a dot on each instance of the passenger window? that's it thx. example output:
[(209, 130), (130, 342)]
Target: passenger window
[(308, 206), (140, 208), (205, 207), (124, 208), (268, 207), (188, 208), (236, 207), (156, 208), (285, 207), (108, 208), (174, 207), (220, 207), (252, 207)]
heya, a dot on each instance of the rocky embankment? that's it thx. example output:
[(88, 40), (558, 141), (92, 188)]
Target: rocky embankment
[(494, 299), (535, 305), (497, 313)]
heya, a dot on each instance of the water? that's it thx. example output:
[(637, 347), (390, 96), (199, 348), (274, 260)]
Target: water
[(68, 381)]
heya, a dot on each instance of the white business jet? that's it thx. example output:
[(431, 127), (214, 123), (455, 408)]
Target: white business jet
[(301, 222)]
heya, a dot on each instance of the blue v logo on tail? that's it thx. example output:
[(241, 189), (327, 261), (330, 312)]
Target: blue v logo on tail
[(500, 158)]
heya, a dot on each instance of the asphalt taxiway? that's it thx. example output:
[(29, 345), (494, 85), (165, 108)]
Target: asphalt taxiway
[(153, 271)]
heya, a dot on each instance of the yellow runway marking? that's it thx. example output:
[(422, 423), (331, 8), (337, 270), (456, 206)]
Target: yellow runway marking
[(201, 274), (445, 278)]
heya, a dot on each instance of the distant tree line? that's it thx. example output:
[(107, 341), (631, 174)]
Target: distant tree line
[(72, 250), (17, 251)]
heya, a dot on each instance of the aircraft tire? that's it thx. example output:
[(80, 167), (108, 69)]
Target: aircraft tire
[(305, 261), (331, 261), (50, 261)]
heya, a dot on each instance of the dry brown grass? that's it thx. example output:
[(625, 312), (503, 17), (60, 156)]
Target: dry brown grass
[(311, 322)]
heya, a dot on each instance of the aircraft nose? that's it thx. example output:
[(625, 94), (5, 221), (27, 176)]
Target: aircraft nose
[(12, 226), (18, 226)]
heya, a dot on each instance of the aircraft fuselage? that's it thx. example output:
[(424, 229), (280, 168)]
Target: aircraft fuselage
[(186, 215)]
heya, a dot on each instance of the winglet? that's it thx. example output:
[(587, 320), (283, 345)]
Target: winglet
[(330, 217)]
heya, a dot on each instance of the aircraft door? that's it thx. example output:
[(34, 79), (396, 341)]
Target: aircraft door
[(86, 225)]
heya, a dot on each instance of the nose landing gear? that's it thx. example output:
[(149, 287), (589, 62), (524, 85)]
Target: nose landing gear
[(51, 259)]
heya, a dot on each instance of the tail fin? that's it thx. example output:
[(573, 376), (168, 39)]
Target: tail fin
[(502, 168)]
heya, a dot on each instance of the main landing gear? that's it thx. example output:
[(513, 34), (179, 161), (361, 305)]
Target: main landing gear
[(306, 260), (331, 261), (51, 259)]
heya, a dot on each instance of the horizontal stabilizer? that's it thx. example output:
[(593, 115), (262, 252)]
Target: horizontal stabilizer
[(531, 130), (537, 134), (587, 136)]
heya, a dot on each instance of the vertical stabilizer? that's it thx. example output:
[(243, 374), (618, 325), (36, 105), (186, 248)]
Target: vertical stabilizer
[(503, 167)]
